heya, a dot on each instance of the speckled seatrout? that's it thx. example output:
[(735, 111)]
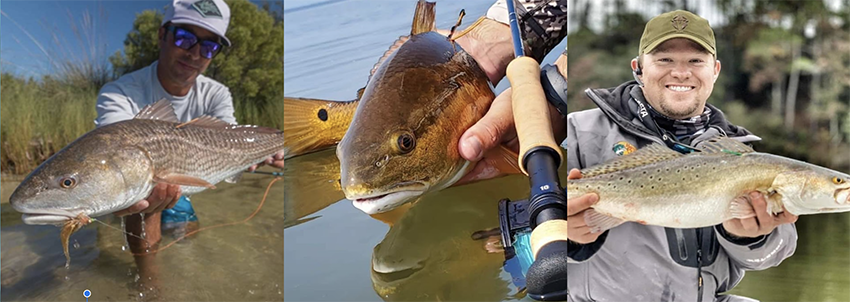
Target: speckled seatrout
[(401, 141), (659, 186), (114, 166)]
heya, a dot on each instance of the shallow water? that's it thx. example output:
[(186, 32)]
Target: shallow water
[(240, 262)]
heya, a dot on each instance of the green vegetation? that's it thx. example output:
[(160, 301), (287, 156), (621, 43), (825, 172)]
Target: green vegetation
[(40, 116), (785, 68)]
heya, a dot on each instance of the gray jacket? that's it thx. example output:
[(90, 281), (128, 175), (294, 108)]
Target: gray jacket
[(634, 262)]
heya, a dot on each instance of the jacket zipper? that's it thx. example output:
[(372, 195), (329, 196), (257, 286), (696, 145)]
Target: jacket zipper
[(699, 265)]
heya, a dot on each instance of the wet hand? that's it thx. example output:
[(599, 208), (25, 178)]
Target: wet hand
[(762, 224), (274, 161), (163, 196), (577, 229)]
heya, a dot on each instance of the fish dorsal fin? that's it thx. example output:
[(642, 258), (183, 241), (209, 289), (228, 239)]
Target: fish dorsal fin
[(651, 154), (724, 145), (361, 90), (210, 122), (162, 110), (424, 18), (207, 122), (383, 58)]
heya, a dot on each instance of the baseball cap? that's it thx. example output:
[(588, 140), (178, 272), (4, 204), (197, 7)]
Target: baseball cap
[(677, 24), (212, 15)]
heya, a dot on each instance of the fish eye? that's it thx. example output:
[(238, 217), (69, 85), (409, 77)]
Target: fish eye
[(837, 180), (406, 142), (67, 182)]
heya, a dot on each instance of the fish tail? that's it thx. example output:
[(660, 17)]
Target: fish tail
[(424, 18), (311, 125)]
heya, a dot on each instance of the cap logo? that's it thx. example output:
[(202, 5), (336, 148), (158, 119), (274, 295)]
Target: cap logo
[(207, 8), (680, 22)]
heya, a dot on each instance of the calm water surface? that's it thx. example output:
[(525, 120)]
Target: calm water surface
[(425, 252), (232, 263)]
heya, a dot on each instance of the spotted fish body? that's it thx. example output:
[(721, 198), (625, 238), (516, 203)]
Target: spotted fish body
[(658, 186), (114, 166)]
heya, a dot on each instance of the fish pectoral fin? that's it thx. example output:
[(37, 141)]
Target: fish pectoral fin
[(599, 222), (234, 178), (183, 180), (740, 208), (505, 160)]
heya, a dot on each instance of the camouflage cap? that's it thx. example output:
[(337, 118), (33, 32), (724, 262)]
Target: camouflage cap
[(677, 24)]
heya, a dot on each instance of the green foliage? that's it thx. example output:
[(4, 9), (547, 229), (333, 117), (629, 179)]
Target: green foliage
[(141, 47), (39, 118), (252, 67)]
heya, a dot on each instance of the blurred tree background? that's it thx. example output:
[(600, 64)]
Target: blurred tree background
[(785, 66)]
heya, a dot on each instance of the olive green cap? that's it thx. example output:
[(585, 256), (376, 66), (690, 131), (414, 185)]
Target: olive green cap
[(677, 24)]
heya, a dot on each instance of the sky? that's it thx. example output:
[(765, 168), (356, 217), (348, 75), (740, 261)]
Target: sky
[(24, 21)]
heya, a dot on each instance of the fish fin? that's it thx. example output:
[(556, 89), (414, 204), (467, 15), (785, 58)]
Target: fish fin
[(724, 145), (162, 110), (212, 122), (183, 180), (311, 125), (599, 222), (361, 90), (234, 178), (647, 155), (505, 160), (741, 208), (383, 58), (311, 184), (424, 18)]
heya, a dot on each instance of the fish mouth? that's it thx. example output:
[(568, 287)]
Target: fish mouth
[(390, 274), (384, 201), (49, 217)]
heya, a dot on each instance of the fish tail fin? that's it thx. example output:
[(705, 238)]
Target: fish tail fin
[(310, 125), (311, 184), (424, 18)]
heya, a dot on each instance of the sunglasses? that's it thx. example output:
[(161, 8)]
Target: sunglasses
[(185, 39)]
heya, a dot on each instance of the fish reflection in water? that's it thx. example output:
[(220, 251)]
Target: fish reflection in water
[(429, 253)]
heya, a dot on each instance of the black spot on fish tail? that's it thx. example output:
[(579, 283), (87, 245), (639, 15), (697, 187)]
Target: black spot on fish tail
[(323, 115)]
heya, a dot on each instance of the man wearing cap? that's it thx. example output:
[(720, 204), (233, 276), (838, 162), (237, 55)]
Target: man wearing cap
[(192, 33), (674, 71)]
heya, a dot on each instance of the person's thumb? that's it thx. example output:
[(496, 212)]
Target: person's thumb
[(490, 131)]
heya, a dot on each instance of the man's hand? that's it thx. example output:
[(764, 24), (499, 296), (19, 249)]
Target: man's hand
[(163, 196), (274, 161), (762, 224), (577, 229), (490, 44)]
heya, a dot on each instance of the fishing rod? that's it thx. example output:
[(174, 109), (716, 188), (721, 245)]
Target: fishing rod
[(540, 158)]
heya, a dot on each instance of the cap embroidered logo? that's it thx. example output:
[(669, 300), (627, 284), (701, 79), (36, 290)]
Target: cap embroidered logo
[(207, 8), (680, 22)]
